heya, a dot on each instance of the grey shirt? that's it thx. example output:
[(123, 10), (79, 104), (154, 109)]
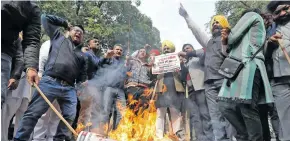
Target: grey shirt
[(281, 67), (213, 52)]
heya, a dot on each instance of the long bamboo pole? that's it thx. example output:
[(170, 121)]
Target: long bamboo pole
[(55, 110)]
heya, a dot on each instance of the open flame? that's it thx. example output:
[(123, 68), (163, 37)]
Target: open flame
[(136, 125), (81, 127)]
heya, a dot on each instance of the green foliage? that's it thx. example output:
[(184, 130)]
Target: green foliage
[(111, 21), (234, 9)]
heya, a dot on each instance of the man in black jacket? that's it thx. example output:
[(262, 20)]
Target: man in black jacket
[(11, 103), (65, 65), (19, 16)]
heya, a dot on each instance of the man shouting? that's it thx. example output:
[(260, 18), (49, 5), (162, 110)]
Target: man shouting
[(64, 66)]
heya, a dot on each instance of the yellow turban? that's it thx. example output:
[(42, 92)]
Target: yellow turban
[(168, 44), (222, 21)]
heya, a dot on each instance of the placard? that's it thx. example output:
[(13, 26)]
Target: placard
[(166, 63)]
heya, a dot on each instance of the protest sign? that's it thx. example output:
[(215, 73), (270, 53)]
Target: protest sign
[(166, 63)]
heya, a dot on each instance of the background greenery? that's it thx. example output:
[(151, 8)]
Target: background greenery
[(113, 22)]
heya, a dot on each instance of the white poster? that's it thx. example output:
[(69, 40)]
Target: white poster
[(166, 63)]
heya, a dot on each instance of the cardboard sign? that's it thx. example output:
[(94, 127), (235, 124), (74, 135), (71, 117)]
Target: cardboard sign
[(166, 63)]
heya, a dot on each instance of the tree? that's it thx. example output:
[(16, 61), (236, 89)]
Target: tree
[(111, 21), (234, 9)]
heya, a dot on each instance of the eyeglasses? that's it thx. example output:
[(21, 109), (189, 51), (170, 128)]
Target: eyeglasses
[(78, 30)]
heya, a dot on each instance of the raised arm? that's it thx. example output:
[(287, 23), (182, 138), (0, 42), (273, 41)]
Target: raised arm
[(200, 36), (52, 23)]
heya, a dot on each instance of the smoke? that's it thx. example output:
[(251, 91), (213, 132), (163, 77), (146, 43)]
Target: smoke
[(108, 75)]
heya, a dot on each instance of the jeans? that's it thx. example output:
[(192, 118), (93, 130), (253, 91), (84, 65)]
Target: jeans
[(245, 117), (222, 129), (281, 92), (53, 89), (6, 62), (46, 126), (113, 98), (199, 117)]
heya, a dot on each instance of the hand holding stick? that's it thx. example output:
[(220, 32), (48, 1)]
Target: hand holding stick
[(284, 50), (55, 110)]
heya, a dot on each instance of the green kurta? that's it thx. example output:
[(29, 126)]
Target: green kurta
[(244, 40)]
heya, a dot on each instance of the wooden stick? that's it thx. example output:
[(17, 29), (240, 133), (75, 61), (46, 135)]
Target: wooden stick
[(284, 51), (154, 90), (53, 108), (187, 120), (30, 91)]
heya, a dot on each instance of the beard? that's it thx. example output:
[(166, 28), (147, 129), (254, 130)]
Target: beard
[(282, 20), (216, 30)]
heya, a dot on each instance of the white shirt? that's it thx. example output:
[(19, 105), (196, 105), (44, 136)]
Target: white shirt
[(43, 55)]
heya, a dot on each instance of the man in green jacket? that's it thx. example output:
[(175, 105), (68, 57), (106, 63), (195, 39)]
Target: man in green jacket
[(238, 98)]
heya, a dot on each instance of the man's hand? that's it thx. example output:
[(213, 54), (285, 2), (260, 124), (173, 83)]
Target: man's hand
[(225, 34), (12, 84), (32, 76), (109, 54), (276, 37), (181, 53), (86, 83), (182, 11)]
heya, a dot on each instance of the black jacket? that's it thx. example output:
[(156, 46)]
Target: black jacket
[(65, 60), (17, 16), (17, 61)]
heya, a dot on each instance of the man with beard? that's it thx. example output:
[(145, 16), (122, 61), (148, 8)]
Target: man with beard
[(171, 99), (86, 94), (138, 80), (213, 80), (281, 68), (65, 66), (93, 56)]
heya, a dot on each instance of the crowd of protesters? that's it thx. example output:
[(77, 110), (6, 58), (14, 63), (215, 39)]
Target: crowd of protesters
[(236, 82)]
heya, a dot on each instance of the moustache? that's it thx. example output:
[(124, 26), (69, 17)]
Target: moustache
[(216, 27), (282, 19)]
